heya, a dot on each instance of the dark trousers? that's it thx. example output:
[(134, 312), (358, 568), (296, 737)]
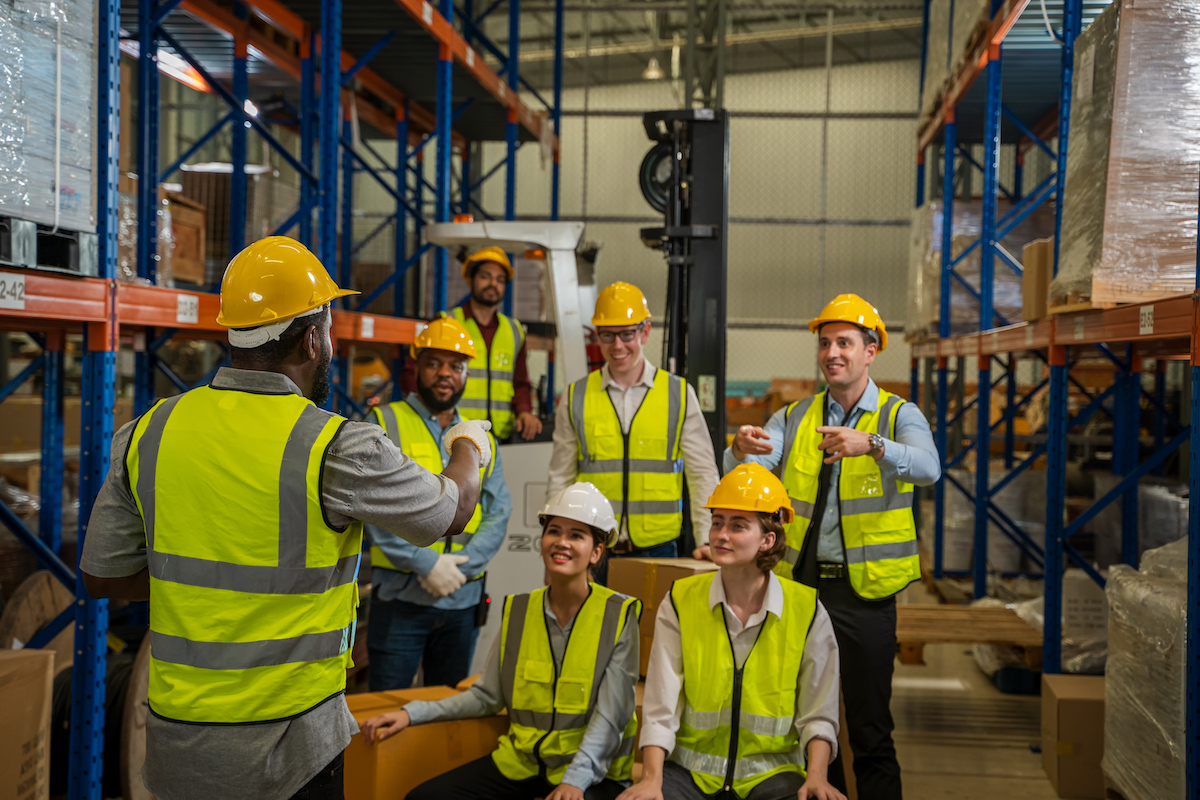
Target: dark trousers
[(866, 637), (481, 779), (403, 636), (327, 784), (678, 785), (665, 550)]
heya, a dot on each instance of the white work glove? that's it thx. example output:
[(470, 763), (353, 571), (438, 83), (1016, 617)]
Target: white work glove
[(476, 431), (445, 578)]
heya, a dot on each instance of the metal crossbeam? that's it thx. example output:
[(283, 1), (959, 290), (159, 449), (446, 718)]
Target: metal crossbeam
[(46, 557), (390, 279), (367, 57), (1025, 129), (195, 148), (22, 376)]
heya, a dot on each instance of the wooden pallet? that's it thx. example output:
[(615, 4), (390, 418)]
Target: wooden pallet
[(1069, 308), (920, 624)]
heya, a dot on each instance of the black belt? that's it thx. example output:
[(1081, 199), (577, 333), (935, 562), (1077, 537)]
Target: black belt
[(831, 570)]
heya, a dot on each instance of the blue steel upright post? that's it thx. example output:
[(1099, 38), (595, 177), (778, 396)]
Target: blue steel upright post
[(987, 252), (511, 130), (50, 487), (1128, 428), (556, 112), (330, 120), (445, 98), (347, 208), (1056, 491), (147, 190), (237, 145), (308, 131), (949, 135), (1191, 719), (1072, 25), (98, 386), (400, 240)]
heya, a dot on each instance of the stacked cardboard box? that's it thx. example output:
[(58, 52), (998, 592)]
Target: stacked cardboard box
[(26, 691), (1073, 734), (1038, 261)]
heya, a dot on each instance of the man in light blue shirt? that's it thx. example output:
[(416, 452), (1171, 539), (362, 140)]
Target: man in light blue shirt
[(858, 581), (425, 599)]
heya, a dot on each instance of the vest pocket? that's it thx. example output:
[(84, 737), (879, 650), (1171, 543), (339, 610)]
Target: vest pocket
[(572, 696), (539, 672)]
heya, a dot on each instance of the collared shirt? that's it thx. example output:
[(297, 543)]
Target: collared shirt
[(522, 401), (816, 688), (365, 478), (911, 457), (497, 507), (699, 460), (615, 703)]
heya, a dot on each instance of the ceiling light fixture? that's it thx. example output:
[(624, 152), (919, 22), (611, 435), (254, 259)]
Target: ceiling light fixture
[(653, 71)]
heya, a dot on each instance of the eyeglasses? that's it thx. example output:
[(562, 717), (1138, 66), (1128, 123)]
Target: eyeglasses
[(608, 337)]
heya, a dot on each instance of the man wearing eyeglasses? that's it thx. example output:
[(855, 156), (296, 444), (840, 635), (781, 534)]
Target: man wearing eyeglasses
[(634, 431)]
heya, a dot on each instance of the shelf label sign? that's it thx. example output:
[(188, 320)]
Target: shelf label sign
[(1145, 320), (187, 309), (427, 13), (12, 291), (1078, 328), (470, 57), (368, 328)]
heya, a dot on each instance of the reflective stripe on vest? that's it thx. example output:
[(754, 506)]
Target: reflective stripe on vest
[(760, 728), (641, 472), (879, 536), (253, 594), (490, 390), (409, 432), (549, 705)]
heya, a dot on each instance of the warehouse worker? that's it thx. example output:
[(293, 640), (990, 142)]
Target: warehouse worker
[(498, 389), (634, 430), (586, 750), (237, 509), (850, 457), (426, 600), (742, 687)]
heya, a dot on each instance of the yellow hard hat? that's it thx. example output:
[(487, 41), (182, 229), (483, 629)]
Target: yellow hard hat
[(444, 333), (752, 487), (274, 279), (853, 309), (493, 254), (620, 303)]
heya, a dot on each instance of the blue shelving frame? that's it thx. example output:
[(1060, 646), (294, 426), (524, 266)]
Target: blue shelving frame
[(1056, 342), (324, 137)]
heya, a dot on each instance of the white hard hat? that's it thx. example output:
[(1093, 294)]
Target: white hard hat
[(584, 503)]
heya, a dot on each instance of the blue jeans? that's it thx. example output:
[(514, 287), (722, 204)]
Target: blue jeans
[(665, 550), (401, 636)]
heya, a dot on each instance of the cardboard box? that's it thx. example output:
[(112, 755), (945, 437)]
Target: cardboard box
[(21, 422), (1035, 280), (649, 580), (189, 223), (26, 690), (395, 766), (1073, 734), (783, 391)]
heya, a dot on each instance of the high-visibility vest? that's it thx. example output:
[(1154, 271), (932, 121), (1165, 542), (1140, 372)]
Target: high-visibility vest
[(879, 535), (640, 472), (748, 712), (549, 706), (252, 591), (489, 391), (409, 432)]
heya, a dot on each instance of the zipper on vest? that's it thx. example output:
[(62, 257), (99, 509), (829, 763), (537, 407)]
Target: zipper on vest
[(537, 748), (731, 762), (625, 483)]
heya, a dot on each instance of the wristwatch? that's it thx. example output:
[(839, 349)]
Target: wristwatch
[(876, 443)]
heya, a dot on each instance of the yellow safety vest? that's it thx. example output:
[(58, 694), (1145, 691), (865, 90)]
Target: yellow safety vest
[(641, 471), (252, 591), (489, 391), (409, 432), (747, 712), (879, 536), (549, 706)]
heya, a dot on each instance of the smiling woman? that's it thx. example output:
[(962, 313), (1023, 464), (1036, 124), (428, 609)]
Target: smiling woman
[(565, 666)]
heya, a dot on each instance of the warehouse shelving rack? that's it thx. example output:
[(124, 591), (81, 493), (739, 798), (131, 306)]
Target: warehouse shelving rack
[(1126, 335), (259, 46)]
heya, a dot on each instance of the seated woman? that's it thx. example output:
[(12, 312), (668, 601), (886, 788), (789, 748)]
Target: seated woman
[(564, 665), (743, 665)]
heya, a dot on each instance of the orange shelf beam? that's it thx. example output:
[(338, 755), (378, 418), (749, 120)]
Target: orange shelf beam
[(56, 301)]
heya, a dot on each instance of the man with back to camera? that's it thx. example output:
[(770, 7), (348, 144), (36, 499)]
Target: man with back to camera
[(498, 388), (634, 431), (237, 509), (425, 602), (849, 458)]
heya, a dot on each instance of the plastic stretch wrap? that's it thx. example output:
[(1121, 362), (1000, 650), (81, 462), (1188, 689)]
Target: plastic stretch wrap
[(952, 29), (32, 33), (127, 231), (1162, 516), (1144, 689), (1023, 500), (925, 265), (1129, 222)]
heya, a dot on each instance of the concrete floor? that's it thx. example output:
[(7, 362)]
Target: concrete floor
[(957, 736)]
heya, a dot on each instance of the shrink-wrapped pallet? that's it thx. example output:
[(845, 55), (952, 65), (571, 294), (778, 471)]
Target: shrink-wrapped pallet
[(1129, 218), (36, 36), (925, 265), (953, 29), (1144, 692), (1162, 510)]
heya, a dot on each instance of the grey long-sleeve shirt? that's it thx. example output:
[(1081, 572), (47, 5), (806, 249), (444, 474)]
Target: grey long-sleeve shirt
[(615, 704), (365, 478), (911, 457)]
